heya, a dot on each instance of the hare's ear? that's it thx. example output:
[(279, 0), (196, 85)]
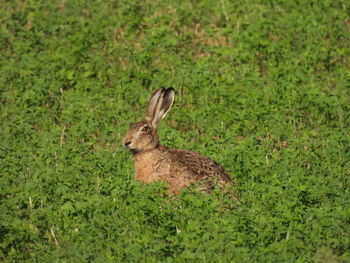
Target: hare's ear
[(153, 102), (164, 104)]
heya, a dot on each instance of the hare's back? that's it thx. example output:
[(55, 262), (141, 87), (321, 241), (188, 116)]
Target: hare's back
[(198, 166)]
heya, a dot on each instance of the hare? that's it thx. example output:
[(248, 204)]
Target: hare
[(178, 168)]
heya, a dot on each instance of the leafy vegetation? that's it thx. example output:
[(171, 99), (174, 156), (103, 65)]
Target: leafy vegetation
[(263, 87)]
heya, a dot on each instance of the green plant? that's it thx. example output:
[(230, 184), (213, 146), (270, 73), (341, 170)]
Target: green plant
[(262, 88)]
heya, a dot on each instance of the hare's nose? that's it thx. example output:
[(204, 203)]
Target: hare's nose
[(126, 144)]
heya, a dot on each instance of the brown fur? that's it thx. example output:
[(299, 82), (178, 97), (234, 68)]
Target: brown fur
[(178, 168)]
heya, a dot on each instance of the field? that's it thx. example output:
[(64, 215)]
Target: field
[(262, 87)]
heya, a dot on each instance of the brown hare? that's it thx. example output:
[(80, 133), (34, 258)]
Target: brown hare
[(178, 168)]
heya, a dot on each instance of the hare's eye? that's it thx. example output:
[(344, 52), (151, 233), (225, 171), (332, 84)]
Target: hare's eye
[(145, 129)]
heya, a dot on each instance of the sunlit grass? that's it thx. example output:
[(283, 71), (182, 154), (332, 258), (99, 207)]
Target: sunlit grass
[(262, 88)]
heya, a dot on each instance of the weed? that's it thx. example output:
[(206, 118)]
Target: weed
[(262, 87)]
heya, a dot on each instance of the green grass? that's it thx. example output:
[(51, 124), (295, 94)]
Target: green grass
[(263, 88)]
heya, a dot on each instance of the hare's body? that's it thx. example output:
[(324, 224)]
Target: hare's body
[(178, 168)]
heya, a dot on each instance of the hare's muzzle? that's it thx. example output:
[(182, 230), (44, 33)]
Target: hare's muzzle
[(127, 144)]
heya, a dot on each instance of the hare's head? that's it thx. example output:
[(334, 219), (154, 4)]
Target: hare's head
[(142, 136)]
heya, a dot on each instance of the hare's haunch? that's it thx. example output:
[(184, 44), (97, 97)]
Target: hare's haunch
[(179, 168)]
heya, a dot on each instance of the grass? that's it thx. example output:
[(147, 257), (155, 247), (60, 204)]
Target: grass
[(261, 87)]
